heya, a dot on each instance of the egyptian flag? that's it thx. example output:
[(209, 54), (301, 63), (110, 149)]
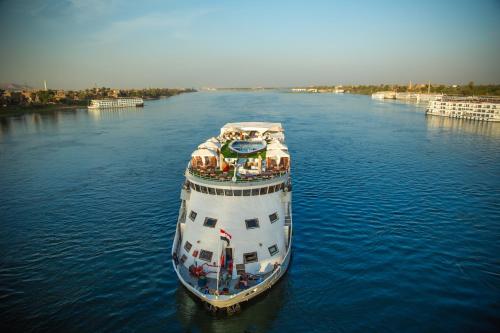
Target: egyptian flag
[(225, 236)]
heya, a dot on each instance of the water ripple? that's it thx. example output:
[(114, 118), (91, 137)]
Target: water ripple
[(396, 218)]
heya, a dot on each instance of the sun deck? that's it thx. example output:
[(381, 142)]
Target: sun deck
[(243, 152), (208, 286)]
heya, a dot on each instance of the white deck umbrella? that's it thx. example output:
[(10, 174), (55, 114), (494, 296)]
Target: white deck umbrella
[(277, 154), (277, 136), (276, 145), (204, 153), (214, 140), (209, 145)]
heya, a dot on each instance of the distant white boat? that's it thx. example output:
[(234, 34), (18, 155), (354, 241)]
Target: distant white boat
[(384, 95), (472, 107), (115, 103)]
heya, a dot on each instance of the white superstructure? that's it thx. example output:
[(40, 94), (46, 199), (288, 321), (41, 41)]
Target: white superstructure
[(474, 108), (115, 103), (234, 231)]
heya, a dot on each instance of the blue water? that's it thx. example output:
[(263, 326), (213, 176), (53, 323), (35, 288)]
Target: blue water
[(396, 216)]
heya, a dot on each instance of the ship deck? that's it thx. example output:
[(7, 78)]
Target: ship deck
[(211, 283), (213, 174), (243, 152)]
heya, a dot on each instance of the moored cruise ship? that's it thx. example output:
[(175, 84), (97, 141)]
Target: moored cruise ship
[(474, 108), (115, 103), (234, 232)]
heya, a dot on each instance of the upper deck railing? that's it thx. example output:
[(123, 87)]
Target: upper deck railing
[(469, 99), (217, 176)]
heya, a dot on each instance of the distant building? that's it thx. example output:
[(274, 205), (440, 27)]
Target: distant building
[(60, 94)]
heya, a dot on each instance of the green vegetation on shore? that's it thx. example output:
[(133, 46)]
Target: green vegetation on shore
[(466, 90), (27, 101)]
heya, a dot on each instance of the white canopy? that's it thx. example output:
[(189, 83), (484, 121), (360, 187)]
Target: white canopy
[(204, 153), (276, 145), (260, 127), (276, 153), (277, 136), (214, 140), (209, 145)]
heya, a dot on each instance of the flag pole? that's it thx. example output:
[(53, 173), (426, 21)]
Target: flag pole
[(218, 265)]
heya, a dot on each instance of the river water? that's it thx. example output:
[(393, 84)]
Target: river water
[(396, 217)]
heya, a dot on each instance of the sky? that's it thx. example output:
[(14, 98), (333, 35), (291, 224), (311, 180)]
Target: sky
[(74, 44)]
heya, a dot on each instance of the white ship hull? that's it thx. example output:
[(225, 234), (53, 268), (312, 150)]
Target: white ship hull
[(96, 104), (233, 237), (223, 301), (471, 108)]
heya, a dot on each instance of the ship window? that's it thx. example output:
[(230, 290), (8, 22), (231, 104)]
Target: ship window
[(220, 191), (187, 246), (197, 187), (255, 191), (252, 223), (246, 193), (237, 193), (183, 258), (273, 250), (250, 257), (273, 217), (206, 255), (263, 190), (210, 222), (211, 190), (203, 189), (192, 215), (240, 269), (228, 193), (271, 189)]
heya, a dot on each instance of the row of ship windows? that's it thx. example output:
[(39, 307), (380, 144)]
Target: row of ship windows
[(116, 103), (207, 255), (211, 222), (237, 193), (469, 105), (467, 109), (472, 114)]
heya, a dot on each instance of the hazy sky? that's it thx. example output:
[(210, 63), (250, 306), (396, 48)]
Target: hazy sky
[(80, 43)]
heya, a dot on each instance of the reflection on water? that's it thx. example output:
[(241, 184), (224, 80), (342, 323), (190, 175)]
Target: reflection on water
[(47, 121), (113, 113), (257, 315), (30, 123), (460, 126), (386, 221), (419, 104)]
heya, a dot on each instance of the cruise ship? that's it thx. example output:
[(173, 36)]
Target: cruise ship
[(234, 232), (115, 103), (472, 107)]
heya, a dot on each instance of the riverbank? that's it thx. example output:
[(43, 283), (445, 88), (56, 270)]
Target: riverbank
[(39, 101), (18, 110)]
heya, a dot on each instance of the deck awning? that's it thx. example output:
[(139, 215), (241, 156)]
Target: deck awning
[(276, 145), (260, 127), (277, 154), (209, 145), (214, 140), (204, 153)]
